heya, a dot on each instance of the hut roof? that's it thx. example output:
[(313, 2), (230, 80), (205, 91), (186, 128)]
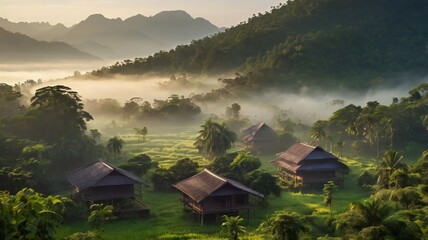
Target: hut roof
[(303, 157), (205, 183), (300, 151), (250, 133), (100, 174)]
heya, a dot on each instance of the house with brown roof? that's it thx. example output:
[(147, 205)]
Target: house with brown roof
[(310, 165), (101, 182), (259, 137), (207, 193)]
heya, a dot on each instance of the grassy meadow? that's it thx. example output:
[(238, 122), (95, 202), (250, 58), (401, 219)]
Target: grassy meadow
[(168, 220)]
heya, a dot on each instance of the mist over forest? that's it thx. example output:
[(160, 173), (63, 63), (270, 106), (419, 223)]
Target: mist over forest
[(305, 121)]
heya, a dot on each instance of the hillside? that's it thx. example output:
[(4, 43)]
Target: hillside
[(323, 43), (116, 38), (19, 48)]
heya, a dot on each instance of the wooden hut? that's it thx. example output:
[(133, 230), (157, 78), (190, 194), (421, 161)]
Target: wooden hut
[(207, 193), (101, 182), (259, 137), (310, 165)]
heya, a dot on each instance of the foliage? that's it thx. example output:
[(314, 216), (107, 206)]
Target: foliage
[(299, 43), (141, 132), (214, 139), (9, 101), (284, 225), (222, 164), (244, 163), (232, 226), (328, 190), (61, 108), (99, 215), (375, 220), (366, 180), (139, 164), (375, 128), (183, 169), (174, 108), (115, 145), (390, 162), (162, 179), (30, 215), (263, 182)]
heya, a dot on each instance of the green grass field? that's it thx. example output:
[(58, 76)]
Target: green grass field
[(168, 220)]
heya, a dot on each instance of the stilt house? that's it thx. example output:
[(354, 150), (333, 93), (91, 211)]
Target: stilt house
[(260, 137), (207, 193), (310, 165), (101, 182)]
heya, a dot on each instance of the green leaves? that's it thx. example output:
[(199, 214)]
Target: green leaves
[(29, 215), (284, 225), (214, 139), (232, 226), (99, 215)]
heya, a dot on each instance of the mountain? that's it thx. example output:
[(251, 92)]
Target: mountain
[(329, 44), (29, 29), (114, 34), (139, 35), (116, 38), (173, 27), (19, 48)]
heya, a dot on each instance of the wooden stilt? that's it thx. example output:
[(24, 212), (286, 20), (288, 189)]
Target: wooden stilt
[(202, 219)]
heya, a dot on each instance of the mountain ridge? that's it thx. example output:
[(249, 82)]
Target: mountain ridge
[(306, 43), (19, 48), (132, 37)]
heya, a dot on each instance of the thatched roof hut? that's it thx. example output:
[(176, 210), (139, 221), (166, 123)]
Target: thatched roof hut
[(259, 137), (102, 181), (208, 193), (310, 164)]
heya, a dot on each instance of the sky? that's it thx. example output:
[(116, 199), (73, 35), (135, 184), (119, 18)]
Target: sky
[(223, 13)]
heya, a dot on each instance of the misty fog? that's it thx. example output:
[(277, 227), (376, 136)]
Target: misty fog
[(306, 106)]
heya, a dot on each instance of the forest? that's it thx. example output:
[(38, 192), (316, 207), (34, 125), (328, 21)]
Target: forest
[(179, 157), (333, 43), (385, 147)]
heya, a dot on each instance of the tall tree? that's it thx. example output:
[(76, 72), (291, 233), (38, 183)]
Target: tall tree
[(390, 162), (214, 139), (232, 112), (328, 190), (115, 145), (318, 131), (56, 112)]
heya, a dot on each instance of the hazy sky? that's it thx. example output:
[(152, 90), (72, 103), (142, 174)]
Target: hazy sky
[(222, 13)]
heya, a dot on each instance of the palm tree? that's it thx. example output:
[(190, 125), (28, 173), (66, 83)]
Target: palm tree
[(371, 213), (232, 225), (389, 163), (318, 131), (214, 139), (283, 225), (114, 146), (373, 220)]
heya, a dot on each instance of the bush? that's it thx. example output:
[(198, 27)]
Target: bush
[(263, 182), (366, 180), (183, 169), (162, 179)]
